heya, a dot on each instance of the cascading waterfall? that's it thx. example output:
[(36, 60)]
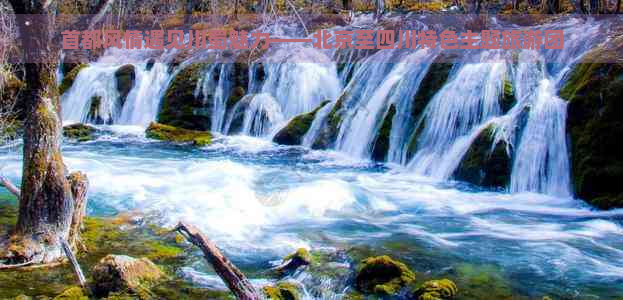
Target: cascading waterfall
[(141, 106), (469, 99), (359, 130), (261, 115), (215, 86)]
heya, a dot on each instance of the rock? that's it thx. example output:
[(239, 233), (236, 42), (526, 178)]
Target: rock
[(329, 131), (69, 78), (125, 77), (484, 164), (179, 135), (294, 261), (508, 96), (74, 293), (296, 129), (594, 92), (383, 275), (236, 113), (180, 107), (150, 64), (433, 81), (381, 142), (436, 290), (79, 132), (282, 291), (116, 273)]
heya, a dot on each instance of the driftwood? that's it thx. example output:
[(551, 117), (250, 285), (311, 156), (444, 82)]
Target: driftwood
[(9, 186), (236, 281), (74, 264)]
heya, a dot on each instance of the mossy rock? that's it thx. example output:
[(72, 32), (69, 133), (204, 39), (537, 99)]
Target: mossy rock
[(296, 129), (508, 96), (328, 133), (79, 132), (594, 92), (383, 275), (441, 289), (117, 273), (481, 282), (180, 107), (435, 78), (74, 293), (485, 164), (69, 78), (282, 291), (236, 95), (179, 135), (381, 142), (125, 78), (293, 261)]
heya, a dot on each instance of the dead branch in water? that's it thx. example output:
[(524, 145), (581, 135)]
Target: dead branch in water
[(74, 264), (236, 281), (9, 186)]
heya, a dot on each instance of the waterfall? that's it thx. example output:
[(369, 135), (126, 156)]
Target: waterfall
[(262, 114), (215, 86), (359, 130), (141, 106), (464, 103)]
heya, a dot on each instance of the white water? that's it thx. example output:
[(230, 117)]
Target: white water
[(261, 116)]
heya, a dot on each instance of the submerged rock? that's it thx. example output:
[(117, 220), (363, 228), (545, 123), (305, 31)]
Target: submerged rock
[(125, 77), (180, 107), (594, 92), (436, 290), (282, 291), (79, 132), (293, 261), (485, 164), (69, 78), (116, 273), (296, 129), (179, 135), (383, 275), (381, 142)]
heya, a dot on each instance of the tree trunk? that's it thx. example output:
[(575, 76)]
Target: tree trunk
[(618, 9), (46, 204), (550, 6)]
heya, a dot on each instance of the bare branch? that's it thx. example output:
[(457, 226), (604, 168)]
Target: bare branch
[(9, 186), (75, 265)]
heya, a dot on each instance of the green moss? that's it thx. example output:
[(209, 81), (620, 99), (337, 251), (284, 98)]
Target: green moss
[(329, 132), (179, 135), (69, 78), (282, 291), (236, 94), (481, 282), (159, 251), (383, 275), (381, 142), (296, 129), (79, 132), (301, 254), (484, 166), (180, 107), (508, 96), (74, 293), (594, 91), (436, 290)]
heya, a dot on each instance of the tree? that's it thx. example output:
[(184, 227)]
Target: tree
[(51, 201)]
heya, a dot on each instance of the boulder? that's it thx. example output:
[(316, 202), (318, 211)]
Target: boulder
[(180, 107), (115, 273), (179, 135), (294, 261), (296, 129), (594, 91), (79, 132), (383, 275), (282, 291), (125, 77), (381, 142), (486, 164), (441, 289)]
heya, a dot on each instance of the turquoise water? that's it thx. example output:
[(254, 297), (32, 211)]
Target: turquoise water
[(259, 201)]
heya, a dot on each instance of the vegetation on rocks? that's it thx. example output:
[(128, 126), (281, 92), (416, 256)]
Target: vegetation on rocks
[(508, 96), (69, 78), (486, 164), (282, 291), (79, 132), (293, 261), (115, 273), (328, 133), (179, 135), (296, 129), (180, 107), (383, 275), (594, 92), (436, 290)]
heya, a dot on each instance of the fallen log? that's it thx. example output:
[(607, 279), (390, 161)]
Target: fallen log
[(235, 280), (9, 186)]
